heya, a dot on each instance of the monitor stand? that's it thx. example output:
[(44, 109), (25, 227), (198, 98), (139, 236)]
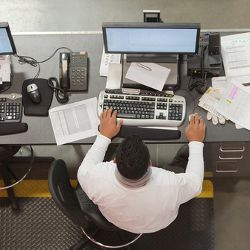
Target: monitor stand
[(168, 61)]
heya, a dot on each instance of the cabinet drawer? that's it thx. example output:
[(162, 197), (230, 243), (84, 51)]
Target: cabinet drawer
[(228, 159), (227, 167)]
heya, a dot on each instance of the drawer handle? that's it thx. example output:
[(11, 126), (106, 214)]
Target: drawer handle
[(232, 150), (231, 158), (227, 171)]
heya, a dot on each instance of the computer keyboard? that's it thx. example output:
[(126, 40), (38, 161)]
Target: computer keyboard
[(10, 109), (145, 109)]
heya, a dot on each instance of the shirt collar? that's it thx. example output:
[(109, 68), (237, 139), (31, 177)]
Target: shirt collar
[(128, 183)]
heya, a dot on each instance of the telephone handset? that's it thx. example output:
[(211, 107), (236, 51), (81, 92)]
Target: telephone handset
[(73, 70), (214, 50)]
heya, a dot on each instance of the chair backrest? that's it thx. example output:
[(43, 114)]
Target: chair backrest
[(7, 151), (65, 198), (63, 193)]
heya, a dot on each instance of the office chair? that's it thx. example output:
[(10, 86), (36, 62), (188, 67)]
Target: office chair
[(67, 200), (6, 153)]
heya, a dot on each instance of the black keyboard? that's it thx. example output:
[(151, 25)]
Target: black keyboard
[(10, 110)]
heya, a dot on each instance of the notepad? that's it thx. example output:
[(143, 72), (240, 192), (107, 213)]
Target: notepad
[(149, 74)]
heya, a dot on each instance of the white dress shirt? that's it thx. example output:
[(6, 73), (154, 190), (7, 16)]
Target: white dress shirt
[(145, 209)]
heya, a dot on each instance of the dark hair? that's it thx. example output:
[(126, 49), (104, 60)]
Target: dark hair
[(132, 158)]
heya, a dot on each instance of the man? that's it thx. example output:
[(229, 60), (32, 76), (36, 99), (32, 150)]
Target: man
[(129, 191)]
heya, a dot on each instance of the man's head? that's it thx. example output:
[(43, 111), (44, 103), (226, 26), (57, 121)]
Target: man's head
[(132, 158)]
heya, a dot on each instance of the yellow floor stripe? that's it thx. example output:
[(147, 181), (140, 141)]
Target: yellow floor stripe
[(31, 188), (39, 188), (207, 190)]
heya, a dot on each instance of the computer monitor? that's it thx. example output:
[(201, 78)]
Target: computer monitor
[(151, 38), (7, 46)]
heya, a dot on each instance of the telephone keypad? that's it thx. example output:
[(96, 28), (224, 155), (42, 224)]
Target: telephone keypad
[(78, 71)]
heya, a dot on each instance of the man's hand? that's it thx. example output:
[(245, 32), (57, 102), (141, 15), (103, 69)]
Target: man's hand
[(195, 131), (109, 127)]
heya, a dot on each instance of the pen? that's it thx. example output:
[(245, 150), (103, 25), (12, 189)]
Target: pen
[(144, 66)]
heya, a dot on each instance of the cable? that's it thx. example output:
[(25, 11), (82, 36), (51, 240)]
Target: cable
[(193, 99), (54, 54), (34, 63), (31, 61), (60, 94), (201, 84), (25, 175)]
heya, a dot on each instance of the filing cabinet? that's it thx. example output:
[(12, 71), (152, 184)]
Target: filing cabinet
[(228, 158)]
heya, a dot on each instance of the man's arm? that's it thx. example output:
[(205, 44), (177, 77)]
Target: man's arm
[(191, 181), (108, 129)]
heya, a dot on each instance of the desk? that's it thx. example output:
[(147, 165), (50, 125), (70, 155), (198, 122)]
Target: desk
[(41, 46)]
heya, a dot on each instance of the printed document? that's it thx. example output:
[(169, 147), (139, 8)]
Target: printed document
[(235, 105), (235, 50), (5, 69), (114, 76), (209, 100), (235, 101), (106, 60), (75, 121), (149, 74)]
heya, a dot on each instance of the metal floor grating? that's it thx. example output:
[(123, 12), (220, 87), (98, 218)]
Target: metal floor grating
[(40, 225)]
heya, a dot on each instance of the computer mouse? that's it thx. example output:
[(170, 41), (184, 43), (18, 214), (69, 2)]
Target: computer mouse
[(33, 92)]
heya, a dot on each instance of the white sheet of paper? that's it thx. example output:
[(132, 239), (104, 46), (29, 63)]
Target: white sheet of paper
[(75, 121), (114, 76), (219, 82), (149, 74), (209, 99), (5, 68), (235, 105), (106, 60), (241, 82), (235, 50)]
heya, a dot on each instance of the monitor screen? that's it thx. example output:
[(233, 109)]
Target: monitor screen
[(7, 45), (151, 38)]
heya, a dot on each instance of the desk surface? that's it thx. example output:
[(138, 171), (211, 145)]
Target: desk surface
[(40, 130)]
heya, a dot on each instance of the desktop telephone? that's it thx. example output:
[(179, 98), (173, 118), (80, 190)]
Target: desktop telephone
[(208, 61), (73, 71)]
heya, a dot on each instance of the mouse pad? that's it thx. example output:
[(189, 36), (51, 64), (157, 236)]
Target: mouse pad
[(46, 93)]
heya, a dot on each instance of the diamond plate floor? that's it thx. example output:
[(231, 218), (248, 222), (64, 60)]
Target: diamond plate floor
[(40, 225)]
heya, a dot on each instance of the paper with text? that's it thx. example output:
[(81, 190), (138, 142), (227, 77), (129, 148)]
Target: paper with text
[(106, 60), (209, 99), (235, 50), (219, 82), (235, 105), (149, 74), (114, 76), (5, 69), (75, 121)]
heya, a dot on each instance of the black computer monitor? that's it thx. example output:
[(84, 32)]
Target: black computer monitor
[(151, 38), (7, 46)]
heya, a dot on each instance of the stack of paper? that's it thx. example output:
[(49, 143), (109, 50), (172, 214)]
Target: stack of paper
[(234, 103)]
